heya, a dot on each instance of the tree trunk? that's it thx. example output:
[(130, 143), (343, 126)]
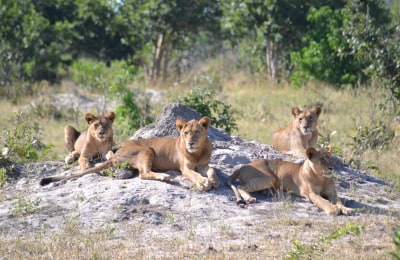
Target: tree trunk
[(156, 60), (166, 55), (273, 54)]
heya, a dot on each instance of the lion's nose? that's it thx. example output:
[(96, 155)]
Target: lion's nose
[(102, 132)]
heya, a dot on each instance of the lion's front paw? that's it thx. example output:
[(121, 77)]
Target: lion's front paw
[(213, 178), (205, 185), (165, 177), (72, 157), (333, 211), (347, 211), (109, 155)]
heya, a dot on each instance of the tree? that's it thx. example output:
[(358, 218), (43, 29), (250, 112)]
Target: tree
[(320, 57), (32, 45), (158, 26), (372, 39), (280, 22)]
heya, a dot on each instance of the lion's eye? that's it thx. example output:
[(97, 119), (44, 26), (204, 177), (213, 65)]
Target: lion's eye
[(96, 125), (300, 119)]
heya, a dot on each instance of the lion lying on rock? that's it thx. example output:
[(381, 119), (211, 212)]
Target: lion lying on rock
[(300, 134), (95, 142), (190, 153), (312, 180)]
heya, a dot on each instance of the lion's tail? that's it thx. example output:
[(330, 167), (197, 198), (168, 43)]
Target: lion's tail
[(97, 168), (229, 181)]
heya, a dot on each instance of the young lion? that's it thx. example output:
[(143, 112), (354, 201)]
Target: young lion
[(312, 180), (298, 135), (94, 142), (190, 153)]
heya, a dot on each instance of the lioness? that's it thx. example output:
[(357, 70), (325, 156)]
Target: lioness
[(312, 180), (94, 142), (190, 153), (300, 134)]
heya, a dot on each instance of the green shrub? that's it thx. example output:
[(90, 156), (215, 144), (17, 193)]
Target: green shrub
[(20, 143), (396, 241), (375, 137), (205, 103), (25, 207), (111, 81)]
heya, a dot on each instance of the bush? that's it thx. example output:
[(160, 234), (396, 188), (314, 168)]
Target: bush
[(111, 82), (20, 143), (205, 103), (396, 241), (375, 137)]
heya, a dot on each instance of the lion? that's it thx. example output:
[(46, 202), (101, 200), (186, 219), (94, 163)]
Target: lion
[(190, 153), (312, 180), (92, 143), (300, 134)]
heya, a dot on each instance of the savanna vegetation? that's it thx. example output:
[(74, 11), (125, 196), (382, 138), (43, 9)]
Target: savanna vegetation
[(244, 63)]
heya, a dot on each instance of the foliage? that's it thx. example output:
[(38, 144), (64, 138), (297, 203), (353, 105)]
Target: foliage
[(3, 174), (21, 142), (25, 207), (32, 47), (308, 251), (396, 242), (373, 41), (132, 111), (276, 25), (375, 137), (204, 102), (319, 58)]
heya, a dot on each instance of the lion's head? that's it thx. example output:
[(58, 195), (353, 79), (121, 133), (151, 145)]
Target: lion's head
[(306, 120), (321, 161), (100, 127), (193, 133)]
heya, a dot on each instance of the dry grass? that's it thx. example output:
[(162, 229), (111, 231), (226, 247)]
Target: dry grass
[(294, 239)]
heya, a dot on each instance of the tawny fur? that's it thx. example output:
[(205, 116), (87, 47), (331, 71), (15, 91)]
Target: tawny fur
[(311, 180), (300, 134), (92, 143), (190, 153)]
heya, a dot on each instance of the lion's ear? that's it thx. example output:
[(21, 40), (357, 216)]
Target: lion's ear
[(296, 111), (180, 123), (110, 116), (311, 151), (89, 117), (317, 110), (205, 122)]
